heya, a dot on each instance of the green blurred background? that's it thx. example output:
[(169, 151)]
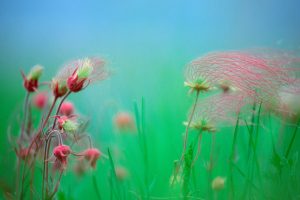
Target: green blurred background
[(147, 44)]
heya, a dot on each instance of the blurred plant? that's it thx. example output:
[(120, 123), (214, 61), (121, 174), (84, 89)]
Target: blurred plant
[(244, 79), (54, 129), (124, 122)]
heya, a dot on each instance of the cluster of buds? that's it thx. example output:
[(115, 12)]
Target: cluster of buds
[(57, 119)]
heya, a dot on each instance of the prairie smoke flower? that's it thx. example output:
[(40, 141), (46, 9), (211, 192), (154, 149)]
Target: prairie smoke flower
[(67, 108), (40, 100), (61, 153), (124, 121), (245, 72), (79, 73), (218, 183), (59, 87), (92, 155), (31, 80), (66, 124), (218, 110)]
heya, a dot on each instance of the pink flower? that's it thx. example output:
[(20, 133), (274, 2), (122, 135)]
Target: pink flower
[(40, 100), (92, 155), (67, 108), (61, 153), (79, 73), (59, 88), (31, 81)]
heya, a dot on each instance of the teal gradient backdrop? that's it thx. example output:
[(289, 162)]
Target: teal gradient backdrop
[(146, 43)]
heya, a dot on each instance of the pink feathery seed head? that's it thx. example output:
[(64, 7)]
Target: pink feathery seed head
[(92, 155), (40, 100), (245, 72), (67, 108), (79, 73), (124, 121), (61, 153), (217, 111)]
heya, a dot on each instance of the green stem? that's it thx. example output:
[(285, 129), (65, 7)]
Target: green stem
[(232, 154), (292, 139)]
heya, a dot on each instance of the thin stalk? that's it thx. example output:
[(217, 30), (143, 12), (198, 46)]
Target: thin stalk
[(198, 149), (96, 187), (113, 171), (188, 125), (25, 109), (56, 185), (47, 148), (232, 154), (33, 142)]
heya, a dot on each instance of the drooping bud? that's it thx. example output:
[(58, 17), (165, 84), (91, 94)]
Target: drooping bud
[(40, 100), (92, 155), (67, 108), (31, 81), (61, 153)]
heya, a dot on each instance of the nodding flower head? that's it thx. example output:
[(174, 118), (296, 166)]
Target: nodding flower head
[(67, 108), (66, 124), (92, 155), (61, 153), (80, 73), (40, 100), (31, 80), (59, 88)]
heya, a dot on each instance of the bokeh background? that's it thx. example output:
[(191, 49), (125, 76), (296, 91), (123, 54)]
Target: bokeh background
[(146, 43)]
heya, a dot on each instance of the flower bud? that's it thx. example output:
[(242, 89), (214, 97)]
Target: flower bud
[(31, 81), (59, 88), (92, 155), (61, 153), (67, 108), (40, 100), (65, 124)]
